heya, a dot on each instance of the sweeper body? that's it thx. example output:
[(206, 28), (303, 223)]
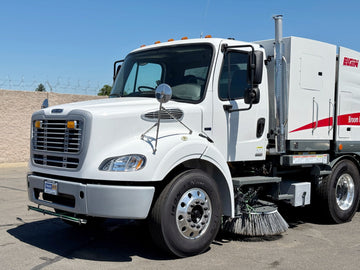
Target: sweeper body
[(201, 132)]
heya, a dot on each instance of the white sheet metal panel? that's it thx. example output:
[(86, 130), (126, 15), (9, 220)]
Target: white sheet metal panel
[(312, 68), (348, 96), (310, 75)]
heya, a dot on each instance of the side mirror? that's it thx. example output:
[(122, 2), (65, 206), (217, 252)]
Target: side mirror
[(252, 96), (256, 67), (117, 68), (117, 72), (45, 104), (163, 93)]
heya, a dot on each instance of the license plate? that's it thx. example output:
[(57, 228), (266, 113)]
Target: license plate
[(51, 187)]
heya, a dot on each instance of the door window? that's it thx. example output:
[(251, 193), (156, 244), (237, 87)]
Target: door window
[(233, 79)]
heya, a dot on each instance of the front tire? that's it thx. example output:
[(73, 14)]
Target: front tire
[(339, 192), (186, 216)]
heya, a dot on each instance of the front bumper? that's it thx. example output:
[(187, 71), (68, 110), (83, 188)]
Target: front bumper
[(110, 201)]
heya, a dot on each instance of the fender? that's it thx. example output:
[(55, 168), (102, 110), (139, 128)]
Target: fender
[(191, 147), (224, 181)]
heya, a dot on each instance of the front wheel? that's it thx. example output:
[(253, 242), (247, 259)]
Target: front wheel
[(186, 216), (339, 192)]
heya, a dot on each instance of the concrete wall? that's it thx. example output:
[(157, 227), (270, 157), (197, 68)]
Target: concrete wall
[(16, 108)]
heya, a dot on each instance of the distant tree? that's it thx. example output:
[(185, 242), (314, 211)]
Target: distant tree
[(105, 90), (40, 88)]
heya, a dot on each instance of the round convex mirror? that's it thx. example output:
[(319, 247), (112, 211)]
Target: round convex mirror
[(163, 93)]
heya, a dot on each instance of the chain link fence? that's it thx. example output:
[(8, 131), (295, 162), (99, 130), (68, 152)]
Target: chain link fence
[(60, 85)]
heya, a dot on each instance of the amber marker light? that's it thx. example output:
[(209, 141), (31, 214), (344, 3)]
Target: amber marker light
[(71, 124), (38, 124), (171, 39), (157, 42), (208, 36), (142, 46), (184, 38), (340, 147)]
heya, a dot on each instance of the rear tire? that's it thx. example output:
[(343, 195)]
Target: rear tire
[(339, 192), (186, 216)]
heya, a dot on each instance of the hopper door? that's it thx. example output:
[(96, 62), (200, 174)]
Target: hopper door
[(348, 96), (311, 99)]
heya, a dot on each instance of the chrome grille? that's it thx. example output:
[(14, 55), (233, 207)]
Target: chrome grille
[(56, 144), (55, 136), (56, 161)]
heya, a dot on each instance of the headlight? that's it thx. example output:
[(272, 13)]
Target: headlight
[(128, 163)]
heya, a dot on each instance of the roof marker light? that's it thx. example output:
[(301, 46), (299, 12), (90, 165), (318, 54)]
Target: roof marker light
[(142, 46), (208, 36), (184, 38), (157, 42), (171, 39)]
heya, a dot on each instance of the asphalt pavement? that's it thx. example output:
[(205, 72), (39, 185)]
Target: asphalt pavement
[(30, 240)]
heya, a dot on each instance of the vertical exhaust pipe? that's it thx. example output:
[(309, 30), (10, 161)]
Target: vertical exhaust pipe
[(280, 94)]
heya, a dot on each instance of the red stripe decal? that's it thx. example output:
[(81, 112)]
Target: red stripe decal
[(326, 122), (351, 119)]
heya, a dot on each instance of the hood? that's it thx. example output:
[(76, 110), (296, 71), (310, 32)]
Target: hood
[(100, 106)]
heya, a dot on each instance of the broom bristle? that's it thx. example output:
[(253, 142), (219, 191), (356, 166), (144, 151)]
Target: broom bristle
[(257, 223)]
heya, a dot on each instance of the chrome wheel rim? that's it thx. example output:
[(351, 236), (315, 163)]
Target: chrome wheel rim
[(193, 213), (345, 191)]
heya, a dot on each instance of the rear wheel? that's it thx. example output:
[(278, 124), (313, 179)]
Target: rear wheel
[(186, 216), (339, 192)]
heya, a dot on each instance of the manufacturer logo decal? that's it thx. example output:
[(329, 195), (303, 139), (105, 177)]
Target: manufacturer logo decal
[(350, 62), (56, 110)]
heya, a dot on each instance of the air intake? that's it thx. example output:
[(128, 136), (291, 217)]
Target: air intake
[(153, 116)]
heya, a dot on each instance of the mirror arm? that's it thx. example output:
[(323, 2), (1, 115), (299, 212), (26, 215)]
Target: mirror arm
[(229, 108)]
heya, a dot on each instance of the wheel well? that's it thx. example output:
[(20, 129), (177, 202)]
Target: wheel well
[(209, 169), (354, 158)]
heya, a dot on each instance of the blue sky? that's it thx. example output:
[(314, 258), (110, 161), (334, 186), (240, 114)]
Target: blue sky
[(70, 43)]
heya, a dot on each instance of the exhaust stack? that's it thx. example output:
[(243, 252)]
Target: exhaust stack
[(280, 94)]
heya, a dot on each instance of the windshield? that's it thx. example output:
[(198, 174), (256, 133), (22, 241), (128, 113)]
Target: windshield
[(184, 68)]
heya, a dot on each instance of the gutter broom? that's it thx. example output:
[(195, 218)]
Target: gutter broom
[(255, 217)]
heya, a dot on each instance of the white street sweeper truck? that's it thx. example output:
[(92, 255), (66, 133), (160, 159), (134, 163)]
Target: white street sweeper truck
[(203, 133)]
